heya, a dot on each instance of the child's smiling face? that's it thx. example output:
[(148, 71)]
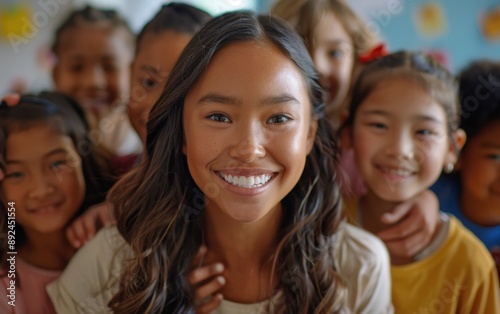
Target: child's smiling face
[(93, 66), (333, 56), (44, 178), (400, 139), (248, 130), (156, 57), (479, 167)]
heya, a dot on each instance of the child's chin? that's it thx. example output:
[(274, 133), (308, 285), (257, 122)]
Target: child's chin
[(396, 196)]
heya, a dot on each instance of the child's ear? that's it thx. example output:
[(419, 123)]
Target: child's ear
[(311, 135), (458, 139)]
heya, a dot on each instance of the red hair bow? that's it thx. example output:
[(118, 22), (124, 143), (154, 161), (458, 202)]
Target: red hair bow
[(377, 52)]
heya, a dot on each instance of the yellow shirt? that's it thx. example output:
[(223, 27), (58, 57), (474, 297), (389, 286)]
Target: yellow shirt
[(459, 277)]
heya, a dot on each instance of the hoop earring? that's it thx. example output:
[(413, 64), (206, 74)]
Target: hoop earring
[(449, 168)]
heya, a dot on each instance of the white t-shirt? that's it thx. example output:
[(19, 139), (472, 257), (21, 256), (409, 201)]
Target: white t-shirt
[(91, 278)]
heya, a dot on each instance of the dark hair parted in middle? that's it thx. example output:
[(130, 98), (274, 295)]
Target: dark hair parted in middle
[(177, 17), (90, 15), (161, 208), (416, 66)]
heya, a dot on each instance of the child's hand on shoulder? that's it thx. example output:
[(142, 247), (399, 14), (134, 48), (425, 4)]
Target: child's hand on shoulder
[(11, 99), (85, 227), (415, 222), (205, 282)]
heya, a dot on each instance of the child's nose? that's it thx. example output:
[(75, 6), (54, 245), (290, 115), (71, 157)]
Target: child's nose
[(249, 145), (41, 186), (401, 146), (324, 70), (94, 77)]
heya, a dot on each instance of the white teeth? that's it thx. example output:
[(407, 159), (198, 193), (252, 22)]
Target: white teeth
[(399, 172), (246, 182)]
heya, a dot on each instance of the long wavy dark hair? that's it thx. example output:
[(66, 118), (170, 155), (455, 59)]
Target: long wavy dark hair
[(65, 116), (160, 212)]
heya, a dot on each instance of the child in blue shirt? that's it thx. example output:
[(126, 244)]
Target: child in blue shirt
[(472, 191)]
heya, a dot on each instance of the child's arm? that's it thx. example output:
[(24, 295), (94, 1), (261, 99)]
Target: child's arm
[(415, 222), (205, 294), (92, 220)]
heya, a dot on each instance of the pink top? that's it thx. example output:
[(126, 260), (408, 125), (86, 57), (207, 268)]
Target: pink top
[(30, 294), (353, 185)]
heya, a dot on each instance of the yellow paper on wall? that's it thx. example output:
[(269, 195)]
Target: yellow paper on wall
[(430, 20), (11, 19), (490, 24)]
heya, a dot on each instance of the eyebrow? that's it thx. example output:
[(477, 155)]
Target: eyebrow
[(387, 114), (149, 68), (339, 41), (233, 101), (106, 58), (490, 145), (51, 153)]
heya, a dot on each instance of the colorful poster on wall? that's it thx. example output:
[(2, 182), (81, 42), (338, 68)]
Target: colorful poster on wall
[(441, 56), (490, 24), (430, 20), (13, 19)]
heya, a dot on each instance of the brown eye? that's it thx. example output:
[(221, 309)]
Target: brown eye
[(280, 118), (219, 117), (149, 83)]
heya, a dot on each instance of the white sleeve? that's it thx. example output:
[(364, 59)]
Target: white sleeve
[(365, 266), (91, 278)]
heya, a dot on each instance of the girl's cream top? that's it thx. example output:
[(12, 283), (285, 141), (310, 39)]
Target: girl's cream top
[(91, 278)]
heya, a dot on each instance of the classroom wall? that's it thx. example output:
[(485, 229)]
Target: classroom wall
[(26, 28), (452, 29), (25, 36)]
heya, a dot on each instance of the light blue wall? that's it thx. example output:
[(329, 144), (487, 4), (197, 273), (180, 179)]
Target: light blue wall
[(463, 40)]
